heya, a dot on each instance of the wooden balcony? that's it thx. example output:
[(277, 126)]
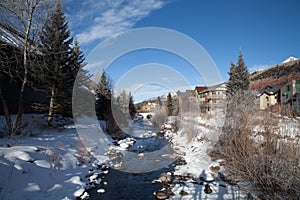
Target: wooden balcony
[(215, 96)]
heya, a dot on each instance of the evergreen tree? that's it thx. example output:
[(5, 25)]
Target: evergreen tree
[(170, 105), (103, 95), (58, 66), (159, 101), (242, 70), (76, 70), (231, 86), (132, 109), (238, 77)]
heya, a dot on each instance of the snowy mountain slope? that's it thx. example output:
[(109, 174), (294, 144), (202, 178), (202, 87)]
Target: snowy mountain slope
[(290, 59)]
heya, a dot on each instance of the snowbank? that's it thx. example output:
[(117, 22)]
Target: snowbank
[(51, 164), (195, 137)]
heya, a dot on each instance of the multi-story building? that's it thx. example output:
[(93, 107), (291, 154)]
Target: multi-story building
[(285, 94), (290, 95), (269, 96), (212, 99)]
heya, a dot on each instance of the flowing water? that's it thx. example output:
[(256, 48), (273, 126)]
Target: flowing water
[(123, 185)]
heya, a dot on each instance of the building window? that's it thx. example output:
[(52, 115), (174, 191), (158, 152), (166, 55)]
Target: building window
[(267, 98), (288, 88)]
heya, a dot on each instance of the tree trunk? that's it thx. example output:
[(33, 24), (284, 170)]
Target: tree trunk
[(51, 106), (8, 120), (19, 119)]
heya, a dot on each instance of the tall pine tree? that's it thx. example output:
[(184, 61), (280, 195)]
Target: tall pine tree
[(132, 109), (104, 97), (170, 105), (59, 66), (238, 77), (76, 65)]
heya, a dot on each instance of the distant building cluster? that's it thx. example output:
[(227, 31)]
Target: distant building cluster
[(209, 99), (281, 95), (212, 99)]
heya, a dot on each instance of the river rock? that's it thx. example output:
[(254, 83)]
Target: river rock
[(183, 193), (160, 194), (81, 194), (155, 181), (176, 180), (165, 178), (163, 194), (185, 175), (101, 190), (124, 145), (215, 168), (141, 155), (207, 189)]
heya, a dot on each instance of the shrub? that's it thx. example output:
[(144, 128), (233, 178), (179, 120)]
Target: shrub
[(270, 164), (159, 118)]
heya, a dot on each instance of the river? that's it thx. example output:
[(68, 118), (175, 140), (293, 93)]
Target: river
[(123, 185)]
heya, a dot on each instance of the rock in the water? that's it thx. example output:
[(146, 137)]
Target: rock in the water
[(165, 178), (79, 192), (124, 145), (160, 194), (85, 196), (183, 193), (176, 180), (215, 168), (141, 155), (101, 190), (155, 181), (207, 189)]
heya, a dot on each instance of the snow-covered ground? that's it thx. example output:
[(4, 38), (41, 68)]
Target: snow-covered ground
[(193, 148), (48, 164), (53, 164)]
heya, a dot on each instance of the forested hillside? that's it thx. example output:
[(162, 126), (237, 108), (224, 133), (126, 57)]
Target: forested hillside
[(278, 74)]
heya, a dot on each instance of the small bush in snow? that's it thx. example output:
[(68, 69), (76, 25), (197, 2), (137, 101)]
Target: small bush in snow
[(159, 118)]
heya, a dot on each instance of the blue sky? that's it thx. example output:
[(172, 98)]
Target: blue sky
[(267, 31)]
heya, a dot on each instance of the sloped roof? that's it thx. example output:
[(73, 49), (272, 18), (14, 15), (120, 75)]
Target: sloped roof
[(213, 87), (200, 88), (270, 90)]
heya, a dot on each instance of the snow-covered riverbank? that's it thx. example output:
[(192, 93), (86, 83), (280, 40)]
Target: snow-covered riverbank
[(53, 164), (192, 141), (48, 164)]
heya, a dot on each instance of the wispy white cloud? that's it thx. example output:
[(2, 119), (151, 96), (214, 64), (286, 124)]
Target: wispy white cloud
[(97, 20)]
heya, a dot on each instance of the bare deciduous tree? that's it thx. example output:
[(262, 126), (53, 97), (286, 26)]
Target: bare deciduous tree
[(25, 17)]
